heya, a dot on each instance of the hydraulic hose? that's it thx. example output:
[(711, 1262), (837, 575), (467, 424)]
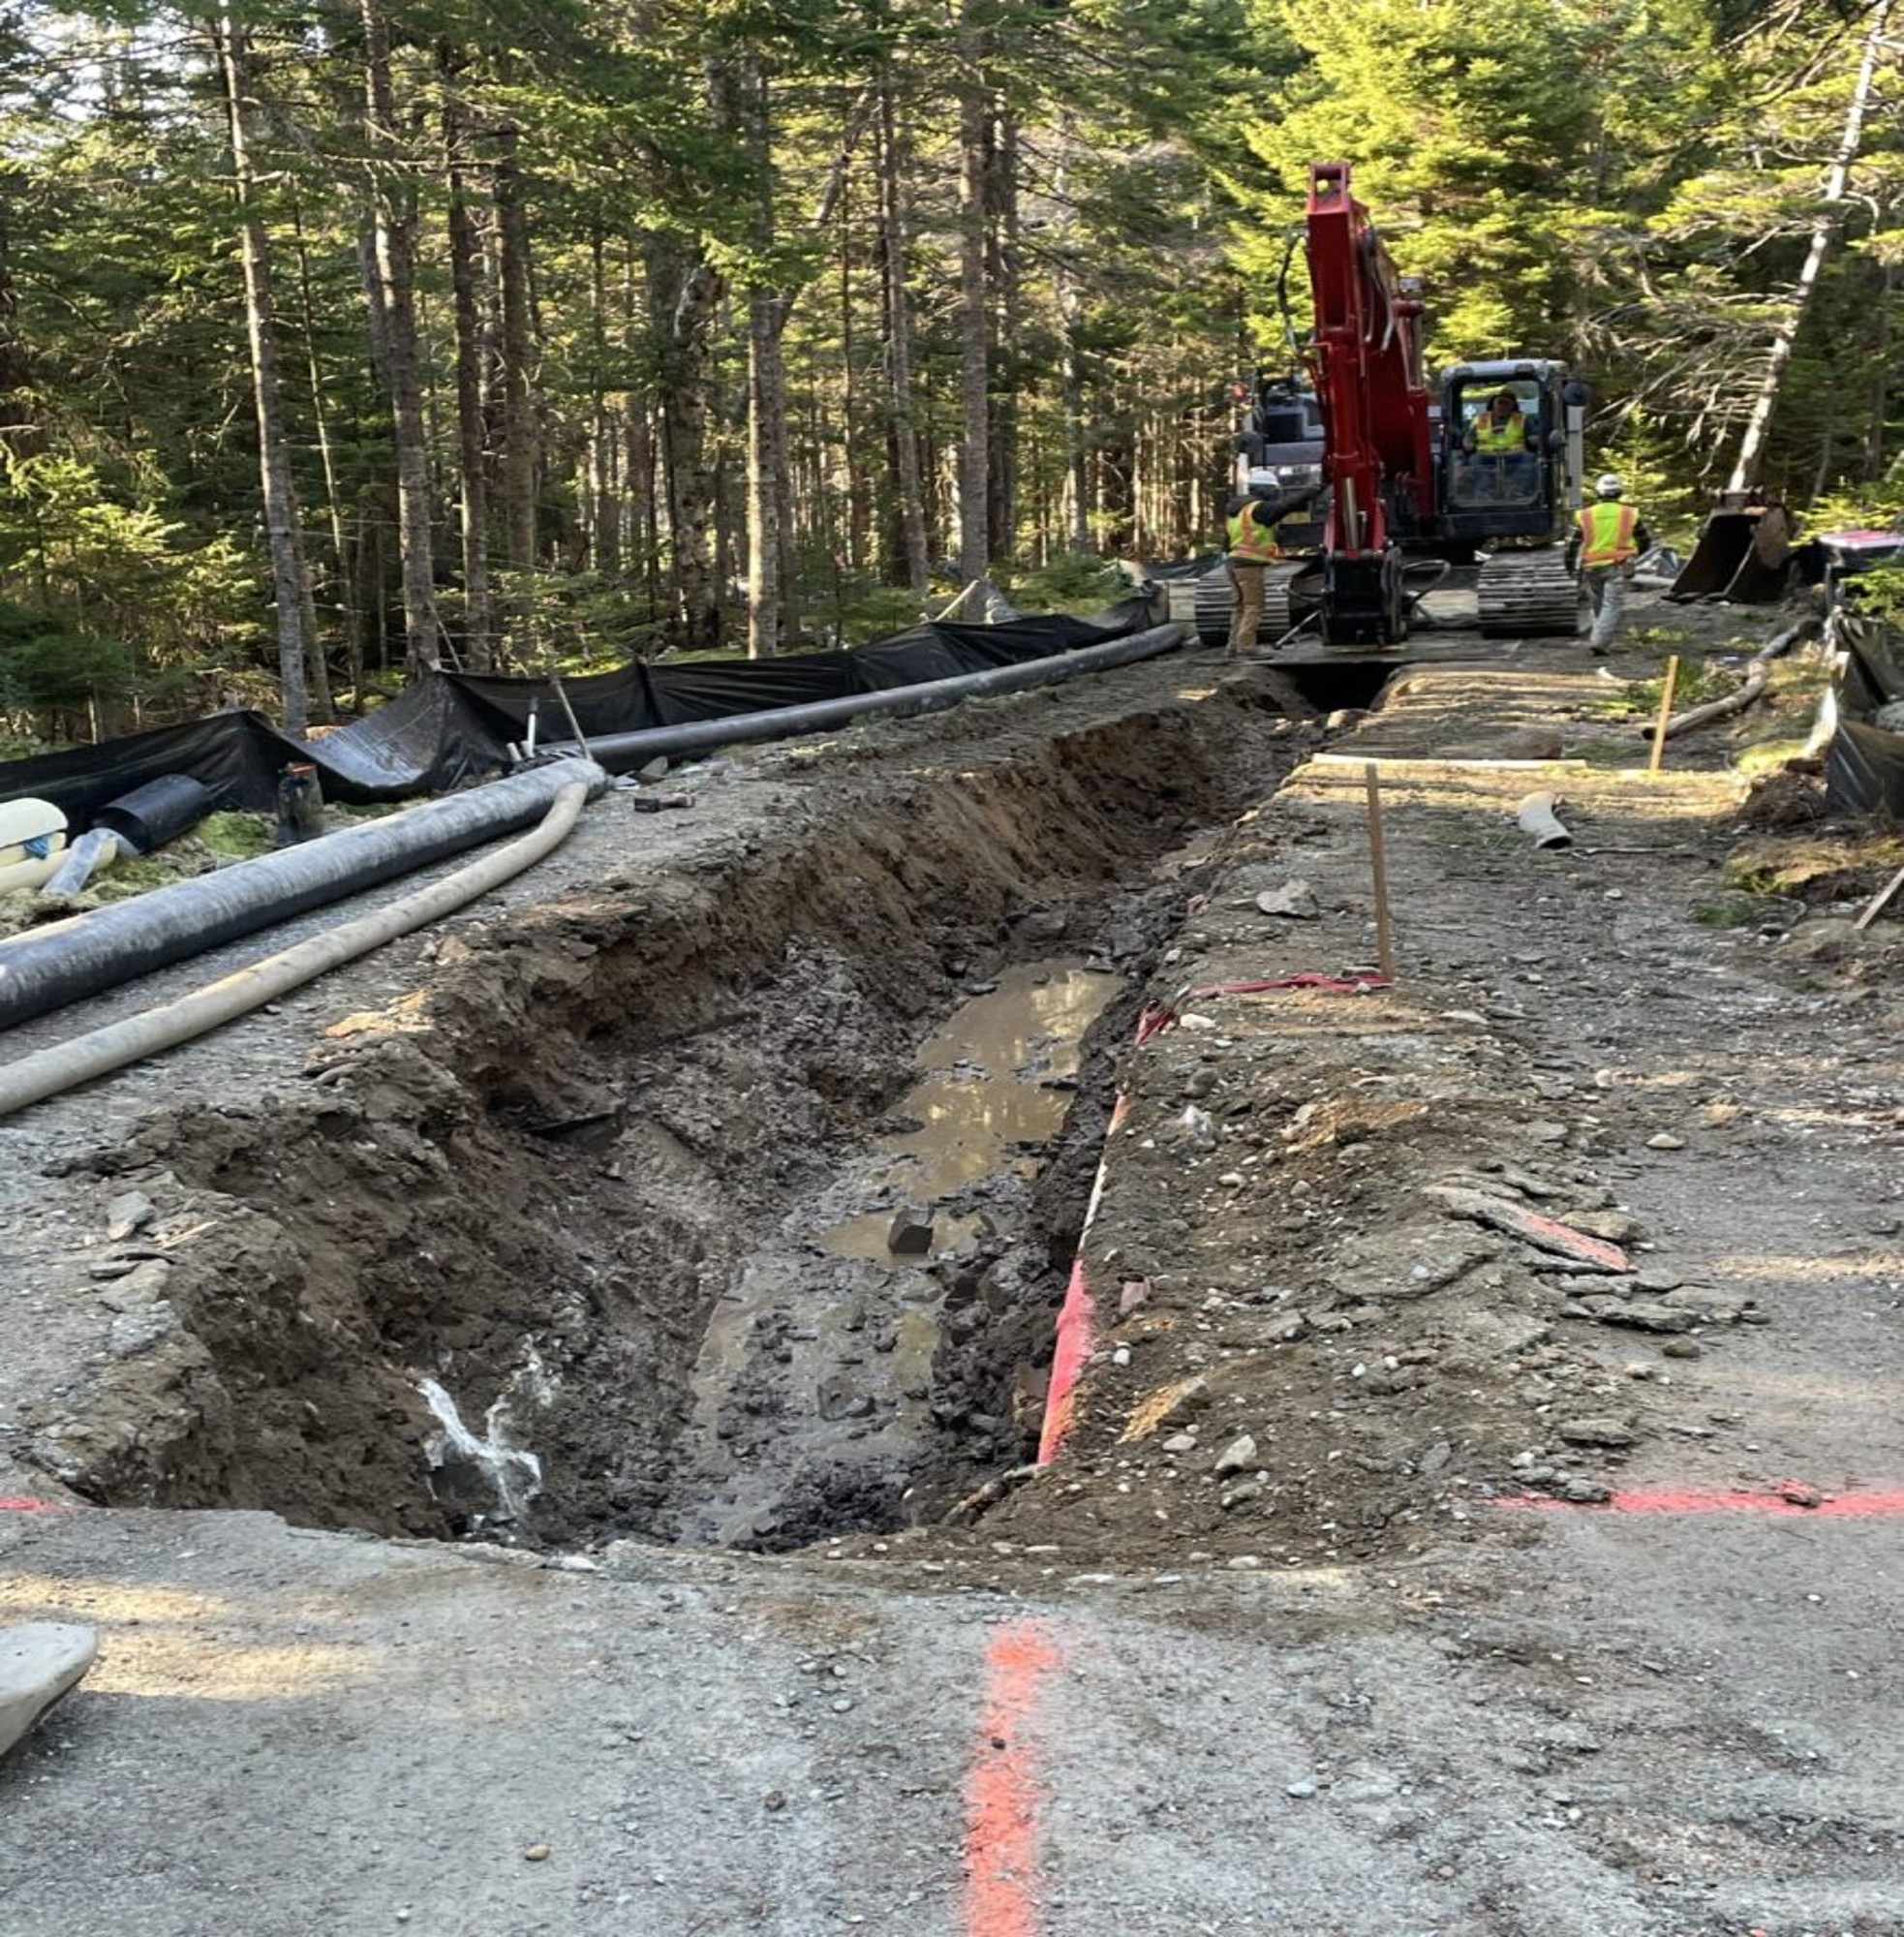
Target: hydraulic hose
[(620, 753), (46, 968), (98, 1053)]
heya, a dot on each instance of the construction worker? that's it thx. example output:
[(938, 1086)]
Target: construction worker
[(1608, 537), (1253, 545), (1501, 429)]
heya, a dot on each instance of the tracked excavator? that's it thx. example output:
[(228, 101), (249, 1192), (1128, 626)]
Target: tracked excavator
[(1398, 481)]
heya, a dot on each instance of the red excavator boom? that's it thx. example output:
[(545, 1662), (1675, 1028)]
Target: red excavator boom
[(1404, 477), (1367, 364)]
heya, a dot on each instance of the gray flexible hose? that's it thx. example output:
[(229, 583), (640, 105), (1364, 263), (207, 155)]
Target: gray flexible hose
[(98, 1053), (46, 968), (87, 855)]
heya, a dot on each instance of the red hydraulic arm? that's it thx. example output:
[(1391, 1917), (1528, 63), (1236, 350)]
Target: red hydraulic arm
[(1367, 365)]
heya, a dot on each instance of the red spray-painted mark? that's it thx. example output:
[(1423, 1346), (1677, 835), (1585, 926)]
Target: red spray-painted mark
[(1076, 1329), (25, 1503), (1004, 1794), (1160, 1016), (1333, 985), (1786, 1500), (1077, 1317)]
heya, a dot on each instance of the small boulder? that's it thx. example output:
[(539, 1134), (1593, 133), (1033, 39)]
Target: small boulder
[(127, 1214), (1294, 900), (1597, 1431), (910, 1233)]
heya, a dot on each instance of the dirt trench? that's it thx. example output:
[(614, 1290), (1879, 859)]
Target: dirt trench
[(536, 1179)]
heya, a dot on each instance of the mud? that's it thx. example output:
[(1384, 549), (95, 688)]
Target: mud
[(830, 1374), (581, 1176)]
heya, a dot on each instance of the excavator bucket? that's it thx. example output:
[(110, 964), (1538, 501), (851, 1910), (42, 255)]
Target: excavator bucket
[(1743, 555)]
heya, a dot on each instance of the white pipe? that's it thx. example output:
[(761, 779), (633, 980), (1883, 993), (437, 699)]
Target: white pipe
[(1537, 818), (32, 873), (98, 1051)]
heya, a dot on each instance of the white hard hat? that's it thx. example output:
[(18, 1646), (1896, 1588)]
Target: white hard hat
[(1609, 485)]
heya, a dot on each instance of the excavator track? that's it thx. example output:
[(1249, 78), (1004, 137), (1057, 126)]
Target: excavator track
[(1527, 593), (1281, 608)]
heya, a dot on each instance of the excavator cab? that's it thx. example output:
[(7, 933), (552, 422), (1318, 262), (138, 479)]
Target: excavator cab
[(1510, 451), (1279, 447)]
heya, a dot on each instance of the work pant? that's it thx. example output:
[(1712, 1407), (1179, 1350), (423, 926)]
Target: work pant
[(1246, 582), (1606, 586)]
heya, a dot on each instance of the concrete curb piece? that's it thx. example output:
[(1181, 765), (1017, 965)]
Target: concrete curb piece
[(38, 1665)]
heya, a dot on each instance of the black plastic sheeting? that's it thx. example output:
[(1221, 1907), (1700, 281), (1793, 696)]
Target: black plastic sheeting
[(1864, 768), (448, 730)]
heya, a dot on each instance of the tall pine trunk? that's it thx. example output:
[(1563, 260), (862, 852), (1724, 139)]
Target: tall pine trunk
[(974, 301), (471, 427), (317, 671), (289, 582), (605, 427), (901, 429), (1002, 271), (1759, 423), (517, 478), (1071, 375), (684, 297), (768, 498), (394, 206)]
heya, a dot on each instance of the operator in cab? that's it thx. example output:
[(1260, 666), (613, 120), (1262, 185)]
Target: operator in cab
[(1609, 535), (1250, 529), (1501, 429)]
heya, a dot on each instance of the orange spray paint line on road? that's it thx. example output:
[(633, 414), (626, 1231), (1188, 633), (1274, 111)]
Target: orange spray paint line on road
[(1792, 1501), (1005, 1792)]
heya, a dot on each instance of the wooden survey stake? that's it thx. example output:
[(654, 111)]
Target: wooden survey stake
[(1665, 713), (1379, 869)]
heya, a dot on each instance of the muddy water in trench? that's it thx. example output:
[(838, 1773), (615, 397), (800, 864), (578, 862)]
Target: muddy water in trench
[(811, 1392)]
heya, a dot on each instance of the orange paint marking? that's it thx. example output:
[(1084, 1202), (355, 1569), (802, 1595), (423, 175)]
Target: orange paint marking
[(1692, 1500), (1077, 1331), (1077, 1317), (1004, 1794)]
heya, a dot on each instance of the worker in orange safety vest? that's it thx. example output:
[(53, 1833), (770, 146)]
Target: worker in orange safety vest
[(1609, 535), (1253, 545)]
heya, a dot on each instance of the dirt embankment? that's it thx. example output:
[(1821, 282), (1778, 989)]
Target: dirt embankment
[(532, 1178), (1332, 1318)]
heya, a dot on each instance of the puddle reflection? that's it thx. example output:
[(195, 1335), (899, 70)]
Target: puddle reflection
[(986, 1090)]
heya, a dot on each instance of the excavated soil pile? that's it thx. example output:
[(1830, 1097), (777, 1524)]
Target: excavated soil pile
[(1362, 1262)]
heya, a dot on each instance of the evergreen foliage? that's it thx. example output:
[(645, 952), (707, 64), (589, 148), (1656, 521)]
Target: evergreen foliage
[(683, 298)]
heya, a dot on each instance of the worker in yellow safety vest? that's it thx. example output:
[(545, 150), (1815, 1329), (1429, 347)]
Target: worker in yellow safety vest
[(1253, 545), (1609, 536), (1501, 429)]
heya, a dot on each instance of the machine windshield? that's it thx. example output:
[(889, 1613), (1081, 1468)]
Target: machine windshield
[(1496, 460)]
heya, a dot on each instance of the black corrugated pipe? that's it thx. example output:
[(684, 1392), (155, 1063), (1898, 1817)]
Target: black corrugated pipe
[(620, 753), (159, 811), (46, 968)]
